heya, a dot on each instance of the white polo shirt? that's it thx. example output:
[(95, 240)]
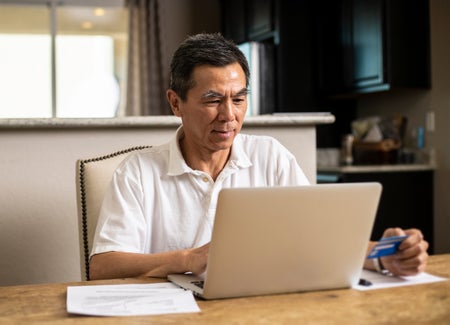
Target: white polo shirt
[(157, 203)]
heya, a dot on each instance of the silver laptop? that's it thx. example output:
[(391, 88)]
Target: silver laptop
[(275, 240)]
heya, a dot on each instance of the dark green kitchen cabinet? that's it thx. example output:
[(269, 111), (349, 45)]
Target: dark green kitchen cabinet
[(373, 45), (249, 20), (261, 19), (234, 20)]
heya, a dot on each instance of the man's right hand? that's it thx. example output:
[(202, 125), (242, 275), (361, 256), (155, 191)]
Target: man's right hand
[(197, 258)]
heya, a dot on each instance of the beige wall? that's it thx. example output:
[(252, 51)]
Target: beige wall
[(38, 215), (416, 103)]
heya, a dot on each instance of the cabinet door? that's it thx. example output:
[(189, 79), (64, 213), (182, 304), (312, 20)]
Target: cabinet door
[(351, 46), (234, 20), (373, 45), (260, 19), (367, 43)]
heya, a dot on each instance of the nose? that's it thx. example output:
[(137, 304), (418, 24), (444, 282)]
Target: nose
[(226, 110)]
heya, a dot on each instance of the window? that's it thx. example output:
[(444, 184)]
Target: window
[(62, 58)]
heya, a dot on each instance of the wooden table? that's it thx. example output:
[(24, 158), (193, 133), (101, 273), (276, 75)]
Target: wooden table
[(418, 304)]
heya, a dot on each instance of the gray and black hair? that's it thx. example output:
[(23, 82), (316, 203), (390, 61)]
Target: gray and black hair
[(203, 49)]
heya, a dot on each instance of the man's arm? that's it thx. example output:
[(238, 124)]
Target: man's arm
[(111, 265), (411, 257)]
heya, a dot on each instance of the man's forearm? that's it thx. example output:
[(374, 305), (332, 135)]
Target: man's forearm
[(124, 265)]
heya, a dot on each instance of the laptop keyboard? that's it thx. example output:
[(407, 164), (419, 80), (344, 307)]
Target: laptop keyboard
[(198, 283)]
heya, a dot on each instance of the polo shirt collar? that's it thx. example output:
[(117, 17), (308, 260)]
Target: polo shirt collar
[(178, 166), (239, 157)]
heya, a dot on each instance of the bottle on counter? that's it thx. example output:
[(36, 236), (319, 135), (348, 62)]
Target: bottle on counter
[(347, 149)]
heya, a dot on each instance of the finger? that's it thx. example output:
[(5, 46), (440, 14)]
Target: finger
[(415, 237), (415, 233), (408, 252), (413, 258), (410, 266), (389, 232), (400, 266), (413, 250)]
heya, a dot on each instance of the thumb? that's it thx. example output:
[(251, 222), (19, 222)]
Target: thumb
[(393, 232)]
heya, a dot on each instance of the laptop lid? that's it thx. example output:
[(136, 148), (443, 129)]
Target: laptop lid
[(271, 240)]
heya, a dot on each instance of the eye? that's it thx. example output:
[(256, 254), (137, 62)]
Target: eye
[(238, 100), (213, 102)]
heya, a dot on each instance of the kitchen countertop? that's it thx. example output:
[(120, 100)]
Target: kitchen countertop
[(375, 168), (288, 119)]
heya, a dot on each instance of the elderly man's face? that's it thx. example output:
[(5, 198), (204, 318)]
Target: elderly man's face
[(215, 107)]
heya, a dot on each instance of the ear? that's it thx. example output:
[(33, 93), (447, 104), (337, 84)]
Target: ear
[(174, 102)]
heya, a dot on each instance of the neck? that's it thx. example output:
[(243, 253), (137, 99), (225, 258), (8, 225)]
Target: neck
[(211, 163)]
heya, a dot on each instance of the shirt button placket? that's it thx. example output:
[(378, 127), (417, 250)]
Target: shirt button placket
[(208, 187)]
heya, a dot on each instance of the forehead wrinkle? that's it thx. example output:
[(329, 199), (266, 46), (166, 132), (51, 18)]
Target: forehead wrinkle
[(242, 92)]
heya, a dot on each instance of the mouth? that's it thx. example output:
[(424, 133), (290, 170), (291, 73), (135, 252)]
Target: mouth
[(226, 128), (224, 133)]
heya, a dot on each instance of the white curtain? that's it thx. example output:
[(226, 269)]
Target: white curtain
[(147, 78)]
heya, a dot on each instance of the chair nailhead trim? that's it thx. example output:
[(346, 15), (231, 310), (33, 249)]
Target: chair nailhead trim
[(83, 162)]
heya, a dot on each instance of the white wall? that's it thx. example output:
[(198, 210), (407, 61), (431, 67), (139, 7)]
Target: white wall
[(416, 103), (38, 211)]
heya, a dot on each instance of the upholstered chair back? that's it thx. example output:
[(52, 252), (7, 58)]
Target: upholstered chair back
[(92, 178)]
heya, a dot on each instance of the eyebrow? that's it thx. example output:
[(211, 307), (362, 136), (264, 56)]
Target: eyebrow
[(213, 94)]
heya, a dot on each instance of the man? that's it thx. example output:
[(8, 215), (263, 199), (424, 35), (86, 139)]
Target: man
[(158, 213)]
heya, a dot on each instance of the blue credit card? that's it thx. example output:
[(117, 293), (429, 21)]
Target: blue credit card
[(386, 246)]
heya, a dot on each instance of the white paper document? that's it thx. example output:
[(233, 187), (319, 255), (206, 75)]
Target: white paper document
[(130, 300), (380, 281)]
